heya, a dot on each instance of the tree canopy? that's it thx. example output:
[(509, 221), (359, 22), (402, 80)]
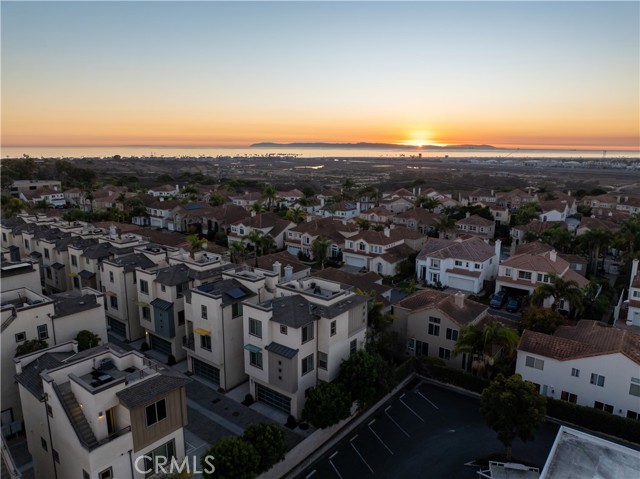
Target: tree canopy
[(327, 404), (542, 320), (365, 375), (31, 346), (234, 458), (86, 339), (268, 441)]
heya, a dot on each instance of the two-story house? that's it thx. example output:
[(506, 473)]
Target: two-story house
[(103, 413), (27, 315), (270, 224), (418, 219), (589, 364), (299, 339), (377, 215), (382, 251), (302, 236), (476, 225), (429, 323), (164, 191), (464, 263)]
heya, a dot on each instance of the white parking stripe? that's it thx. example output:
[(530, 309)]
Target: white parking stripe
[(423, 397), (379, 438), (358, 453), (333, 465), (393, 421), (310, 474), (407, 406)]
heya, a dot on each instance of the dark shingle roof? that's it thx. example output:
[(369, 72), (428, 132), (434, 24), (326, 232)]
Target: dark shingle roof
[(101, 250), (70, 303), (232, 291), (86, 274), (57, 266), (133, 261), (30, 375), (149, 390), (281, 350), (293, 311)]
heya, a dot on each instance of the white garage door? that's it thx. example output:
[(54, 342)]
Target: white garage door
[(355, 261), (461, 283)]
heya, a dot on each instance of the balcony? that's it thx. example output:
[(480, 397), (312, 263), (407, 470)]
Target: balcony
[(188, 342)]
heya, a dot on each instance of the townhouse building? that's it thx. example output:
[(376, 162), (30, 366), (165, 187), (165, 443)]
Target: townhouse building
[(102, 413), (629, 204), (382, 251), (21, 274), (589, 364), (300, 238), (465, 263), (159, 212), (299, 339), (476, 225), (27, 315), (19, 186), (633, 312), (480, 195), (429, 323), (161, 297), (270, 224), (608, 202), (519, 275), (214, 336)]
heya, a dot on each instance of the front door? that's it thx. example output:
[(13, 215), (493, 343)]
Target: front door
[(111, 422)]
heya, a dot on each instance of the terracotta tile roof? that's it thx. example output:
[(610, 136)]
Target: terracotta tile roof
[(587, 338), (537, 262), (598, 223), (378, 211), (475, 220), (397, 253), (432, 299), (631, 202), (163, 205), (271, 221), (395, 234), (403, 192), (285, 259), (467, 247), (290, 194), (539, 227), (535, 247), (517, 193), (323, 226), (571, 275), (554, 205), (421, 215)]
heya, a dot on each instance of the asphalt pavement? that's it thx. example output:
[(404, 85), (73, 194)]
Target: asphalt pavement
[(423, 432)]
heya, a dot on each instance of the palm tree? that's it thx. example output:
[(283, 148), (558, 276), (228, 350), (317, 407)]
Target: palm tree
[(297, 215), (445, 224), (320, 250), (428, 203), (363, 224), (255, 238), (628, 235), (196, 244), (122, 199), (258, 207), (238, 251), (270, 194), (42, 205), (559, 289), (347, 187), (481, 344), (267, 244), (592, 241)]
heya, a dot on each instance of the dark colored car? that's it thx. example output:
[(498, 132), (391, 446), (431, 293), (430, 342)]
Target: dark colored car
[(513, 305), (498, 300)]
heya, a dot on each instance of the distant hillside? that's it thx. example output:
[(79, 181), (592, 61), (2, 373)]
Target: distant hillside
[(370, 146)]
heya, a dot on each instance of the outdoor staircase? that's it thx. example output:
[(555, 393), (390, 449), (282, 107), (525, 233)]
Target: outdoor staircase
[(77, 417)]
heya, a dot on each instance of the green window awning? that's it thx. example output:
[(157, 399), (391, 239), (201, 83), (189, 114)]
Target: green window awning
[(252, 348)]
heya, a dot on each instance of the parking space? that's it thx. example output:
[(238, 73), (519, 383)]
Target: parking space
[(425, 431)]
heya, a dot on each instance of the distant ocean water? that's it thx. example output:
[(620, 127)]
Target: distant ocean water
[(164, 151)]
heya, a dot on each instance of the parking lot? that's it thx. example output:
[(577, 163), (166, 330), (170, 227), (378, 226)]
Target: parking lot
[(423, 431)]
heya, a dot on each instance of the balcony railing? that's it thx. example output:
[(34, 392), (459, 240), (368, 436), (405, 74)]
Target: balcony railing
[(188, 342)]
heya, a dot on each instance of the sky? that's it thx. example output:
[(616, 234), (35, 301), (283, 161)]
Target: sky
[(513, 74)]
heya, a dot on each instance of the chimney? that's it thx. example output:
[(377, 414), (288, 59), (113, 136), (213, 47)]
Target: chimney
[(493, 192), (288, 273), (634, 271), (498, 247), (419, 191), (321, 201), (253, 213), (358, 206), (277, 268), (387, 231), (459, 299), (553, 255), (414, 191), (178, 188), (468, 214)]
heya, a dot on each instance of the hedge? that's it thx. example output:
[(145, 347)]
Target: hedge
[(457, 377)]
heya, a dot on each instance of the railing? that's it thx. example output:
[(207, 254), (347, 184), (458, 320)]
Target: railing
[(188, 342), (11, 428), (139, 375), (14, 473), (113, 436), (87, 446)]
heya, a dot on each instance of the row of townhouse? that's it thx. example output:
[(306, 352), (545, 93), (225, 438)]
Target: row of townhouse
[(589, 364), (102, 413), (613, 202)]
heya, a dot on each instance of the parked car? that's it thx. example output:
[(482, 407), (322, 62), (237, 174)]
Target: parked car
[(498, 300), (513, 305)]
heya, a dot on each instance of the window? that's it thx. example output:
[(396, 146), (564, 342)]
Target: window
[(603, 407), (535, 363), (111, 276), (181, 317), (634, 387), (49, 276), (444, 354), (411, 345), (163, 288), (49, 410), (362, 246), (255, 359), (633, 415), (114, 302), (452, 334), (205, 342), (146, 313), (4, 236), (21, 337), (255, 327), (575, 372), (543, 277), (85, 475), (353, 346), (43, 331), (507, 272), (307, 364), (458, 262), (322, 360), (333, 328), (144, 286), (181, 289), (56, 456), (88, 261), (597, 380), (567, 396), (43, 443), (476, 265), (524, 274), (26, 244), (434, 326), (156, 412), (203, 312), (307, 332), (283, 329), (76, 283), (106, 474), (236, 310), (74, 260), (166, 452), (46, 253), (435, 263)]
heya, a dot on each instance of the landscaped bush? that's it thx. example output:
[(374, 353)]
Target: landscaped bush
[(144, 347), (171, 360), (428, 368)]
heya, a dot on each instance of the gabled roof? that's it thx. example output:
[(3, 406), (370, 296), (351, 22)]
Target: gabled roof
[(539, 227), (598, 224), (468, 249), (285, 259), (380, 238), (475, 220), (554, 205), (537, 262), (587, 338), (432, 299), (132, 261), (150, 390), (268, 221), (364, 282), (420, 215)]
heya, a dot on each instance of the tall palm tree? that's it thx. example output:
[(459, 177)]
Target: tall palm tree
[(196, 244), (347, 188), (297, 215), (255, 238), (593, 241), (481, 344), (428, 203), (445, 224), (320, 250), (629, 234), (559, 289), (363, 224), (258, 207), (269, 193), (267, 244), (238, 251)]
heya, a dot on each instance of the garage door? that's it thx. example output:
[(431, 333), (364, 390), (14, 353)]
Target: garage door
[(355, 261), (461, 283), (118, 327), (160, 345), (273, 399), (206, 371)]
